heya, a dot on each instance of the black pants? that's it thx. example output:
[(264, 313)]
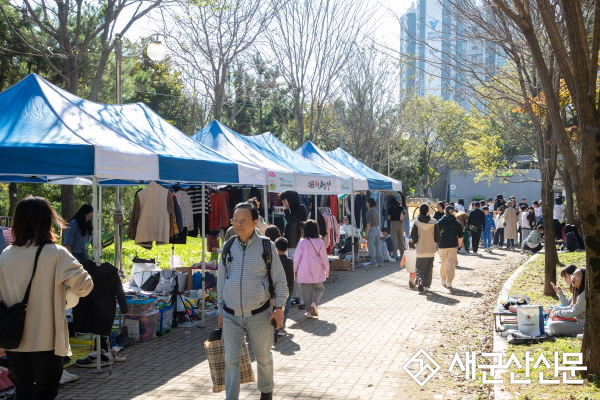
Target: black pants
[(558, 227), (475, 238), (535, 249), (36, 374), (499, 237)]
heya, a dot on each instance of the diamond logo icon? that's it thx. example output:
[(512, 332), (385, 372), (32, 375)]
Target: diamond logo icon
[(425, 363)]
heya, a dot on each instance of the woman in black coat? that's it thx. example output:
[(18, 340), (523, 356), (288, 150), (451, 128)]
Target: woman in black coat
[(294, 213)]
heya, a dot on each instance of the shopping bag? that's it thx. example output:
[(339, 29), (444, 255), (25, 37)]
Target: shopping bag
[(215, 354), (530, 320)]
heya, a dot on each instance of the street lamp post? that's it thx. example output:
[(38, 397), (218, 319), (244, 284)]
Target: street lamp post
[(156, 51)]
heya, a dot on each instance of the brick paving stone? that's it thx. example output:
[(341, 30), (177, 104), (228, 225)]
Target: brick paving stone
[(370, 324)]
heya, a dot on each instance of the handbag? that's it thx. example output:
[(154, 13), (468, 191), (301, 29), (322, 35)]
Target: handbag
[(215, 354), (12, 319)]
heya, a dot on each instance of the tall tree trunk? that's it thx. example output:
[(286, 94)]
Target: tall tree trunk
[(67, 199), (569, 197), (12, 198), (551, 255), (588, 201)]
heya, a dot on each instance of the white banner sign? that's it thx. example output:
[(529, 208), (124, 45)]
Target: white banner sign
[(279, 181)]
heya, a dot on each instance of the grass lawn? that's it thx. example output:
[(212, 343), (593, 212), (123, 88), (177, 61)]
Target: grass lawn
[(531, 283), (189, 253)]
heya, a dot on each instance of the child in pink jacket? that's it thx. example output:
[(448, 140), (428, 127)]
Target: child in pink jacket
[(311, 266)]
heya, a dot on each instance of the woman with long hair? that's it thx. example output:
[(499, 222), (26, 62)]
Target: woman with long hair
[(37, 363), (569, 320), (311, 266), (78, 233)]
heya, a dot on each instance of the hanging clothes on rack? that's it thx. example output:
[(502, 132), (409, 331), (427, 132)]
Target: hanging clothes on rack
[(153, 216), (185, 203), (334, 206), (180, 236), (195, 193)]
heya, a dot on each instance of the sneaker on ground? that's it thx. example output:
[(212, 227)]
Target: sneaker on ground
[(425, 289), (475, 253), (281, 332), (302, 306), (420, 284), (530, 252), (411, 283), (443, 282), (72, 377), (314, 310), (449, 285), (90, 362)]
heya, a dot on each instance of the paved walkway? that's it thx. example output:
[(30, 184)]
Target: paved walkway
[(371, 324)]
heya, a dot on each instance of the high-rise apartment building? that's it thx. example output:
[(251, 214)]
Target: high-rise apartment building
[(437, 49)]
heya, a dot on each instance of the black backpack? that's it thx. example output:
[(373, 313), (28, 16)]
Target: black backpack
[(267, 257)]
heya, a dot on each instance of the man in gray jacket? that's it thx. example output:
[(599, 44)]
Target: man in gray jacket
[(245, 302)]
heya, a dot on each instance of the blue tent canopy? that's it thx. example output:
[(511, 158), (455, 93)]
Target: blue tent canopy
[(286, 169), (45, 130), (42, 133), (376, 180), (316, 155)]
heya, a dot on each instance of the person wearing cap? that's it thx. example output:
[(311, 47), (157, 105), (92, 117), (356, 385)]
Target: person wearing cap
[(451, 233)]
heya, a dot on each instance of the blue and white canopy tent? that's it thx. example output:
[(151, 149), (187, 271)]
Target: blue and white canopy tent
[(310, 151), (283, 172), (45, 130), (376, 180)]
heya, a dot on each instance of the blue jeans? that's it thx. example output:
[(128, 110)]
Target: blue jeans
[(260, 335), (374, 244), (487, 239), (510, 243), (288, 305)]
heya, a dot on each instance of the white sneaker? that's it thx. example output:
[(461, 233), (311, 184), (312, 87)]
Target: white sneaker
[(443, 282), (475, 254), (425, 289), (462, 251), (449, 285), (72, 377)]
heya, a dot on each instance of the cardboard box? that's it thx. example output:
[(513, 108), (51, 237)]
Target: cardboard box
[(340, 265)]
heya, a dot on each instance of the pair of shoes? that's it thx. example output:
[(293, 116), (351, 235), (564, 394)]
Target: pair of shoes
[(314, 310), (266, 396), (302, 306), (411, 283), (281, 332), (420, 284), (444, 282)]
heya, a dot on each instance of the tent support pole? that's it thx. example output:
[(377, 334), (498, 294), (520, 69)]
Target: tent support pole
[(202, 296), (97, 251), (353, 223), (266, 204), (118, 235)]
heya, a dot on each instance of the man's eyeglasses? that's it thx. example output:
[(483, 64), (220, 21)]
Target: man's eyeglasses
[(235, 221)]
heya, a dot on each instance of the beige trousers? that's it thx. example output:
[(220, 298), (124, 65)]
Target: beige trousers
[(448, 268), (397, 234)]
